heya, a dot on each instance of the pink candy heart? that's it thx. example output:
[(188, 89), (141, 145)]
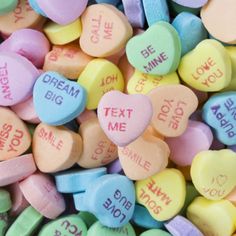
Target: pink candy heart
[(63, 12), (124, 117)]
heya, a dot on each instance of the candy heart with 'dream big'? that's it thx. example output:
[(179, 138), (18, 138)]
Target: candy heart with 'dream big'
[(157, 51), (207, 67), (55, 148), (172, 106), (144, 157), (213, 173), (15, 138), (163, 194), (58, 100), (124, 117)]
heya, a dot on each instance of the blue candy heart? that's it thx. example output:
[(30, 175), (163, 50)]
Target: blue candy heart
[(220, 113), (58, 100), (111, 198)]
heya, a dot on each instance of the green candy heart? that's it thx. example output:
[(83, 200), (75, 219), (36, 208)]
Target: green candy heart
[(157, 51), (87, 217), (5, 201), (3, 223), (97, 229), (7, 6), (65, 226), (155, 232), (26, 223)]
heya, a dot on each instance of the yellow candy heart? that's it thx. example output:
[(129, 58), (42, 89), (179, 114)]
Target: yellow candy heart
[(207, 67), (162, 194), (213, 218), (99, 77), (144, 83), (63, 34), (213, 173)]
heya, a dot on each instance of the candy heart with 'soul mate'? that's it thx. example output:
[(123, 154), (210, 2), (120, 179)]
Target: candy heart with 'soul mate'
[(124, 117), (58, 100), (219, 112), (213, 173), (157, 51), (209, 71)]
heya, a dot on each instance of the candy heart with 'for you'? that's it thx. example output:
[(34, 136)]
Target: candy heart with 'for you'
[(157, 51), (124, 117), (58, 100), (207, 67), (172, 106), (219, 112), (213, 173)]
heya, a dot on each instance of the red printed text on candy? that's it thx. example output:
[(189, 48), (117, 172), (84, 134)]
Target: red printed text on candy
[(114, 112), (11, 136), (101, 30), (4, 82), (136, 158), (18, 12), (208, 67), (172, 113), (50, 138)]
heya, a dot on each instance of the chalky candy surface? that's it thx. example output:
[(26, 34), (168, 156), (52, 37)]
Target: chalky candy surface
[(191, 3)]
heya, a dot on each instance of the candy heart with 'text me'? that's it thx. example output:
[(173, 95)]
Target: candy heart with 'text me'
[(124, 117), (58, 100), (157, 51)]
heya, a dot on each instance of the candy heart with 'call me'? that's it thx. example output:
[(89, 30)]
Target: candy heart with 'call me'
[(162, 194), (191, 3), (213, 173), (172, 106), (70, 10), (219, 112), (58, 100), (144, 157), (157, 51), (124, 117), (209, 71), (15, 137)]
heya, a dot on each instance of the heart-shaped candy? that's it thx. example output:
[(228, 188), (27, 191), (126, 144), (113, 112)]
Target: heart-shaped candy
[(143, 83), (155, 232), (144, 157), (157, 51), (172, 106), (17, 78), (98, 150), (212, 217), (162, 194), (55, 148), (219, 112), (111, 198), (209, 71), (124, 117), (15, 138), (7, 6), (213, 173), (191, 3), (217, 24), (105, 30), (99, 77), (197, 137), (55, 9), (58, 100), (65, 226)]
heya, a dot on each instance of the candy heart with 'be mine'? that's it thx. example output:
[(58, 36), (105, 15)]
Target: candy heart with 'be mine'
[(124, 117), (157, 51), (54, 93)]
